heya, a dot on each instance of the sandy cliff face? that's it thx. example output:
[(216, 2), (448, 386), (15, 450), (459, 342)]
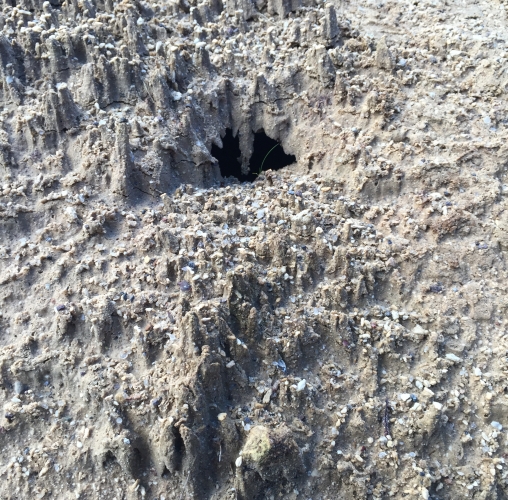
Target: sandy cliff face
[(334, 329)]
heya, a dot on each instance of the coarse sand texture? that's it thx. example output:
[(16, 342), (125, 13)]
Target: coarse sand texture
[(253, 250)]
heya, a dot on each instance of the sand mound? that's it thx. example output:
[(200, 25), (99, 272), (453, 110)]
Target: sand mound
[(333, 327)]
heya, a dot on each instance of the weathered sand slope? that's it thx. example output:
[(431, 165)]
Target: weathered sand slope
[(335, 329)]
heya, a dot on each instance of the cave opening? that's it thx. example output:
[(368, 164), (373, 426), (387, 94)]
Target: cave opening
[(267, 154), (229, 156)]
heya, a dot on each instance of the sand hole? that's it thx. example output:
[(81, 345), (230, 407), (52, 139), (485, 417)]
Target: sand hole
[(268, 154), (229, 156)]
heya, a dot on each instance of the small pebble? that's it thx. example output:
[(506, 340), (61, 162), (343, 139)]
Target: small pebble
[(496, 425), (301, 385), (184, 286)]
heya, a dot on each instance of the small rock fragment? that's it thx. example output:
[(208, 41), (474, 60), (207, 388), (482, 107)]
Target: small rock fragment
[(301, 385), (453, 357), (496, 425)]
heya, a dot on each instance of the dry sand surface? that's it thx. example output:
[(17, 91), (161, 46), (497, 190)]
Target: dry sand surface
[(180, 321)]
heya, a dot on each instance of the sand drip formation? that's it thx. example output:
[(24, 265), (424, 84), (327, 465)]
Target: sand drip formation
[(180, 320)]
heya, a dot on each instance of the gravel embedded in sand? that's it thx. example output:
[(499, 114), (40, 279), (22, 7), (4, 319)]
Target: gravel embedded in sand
[(334, 329)]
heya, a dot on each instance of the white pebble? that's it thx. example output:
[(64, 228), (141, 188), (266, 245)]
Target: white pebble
[(301, 385), (496, 425), (453, 357)]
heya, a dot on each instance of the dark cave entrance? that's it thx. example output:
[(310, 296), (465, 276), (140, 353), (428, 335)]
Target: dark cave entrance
[(229, 156), (267, 154)]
